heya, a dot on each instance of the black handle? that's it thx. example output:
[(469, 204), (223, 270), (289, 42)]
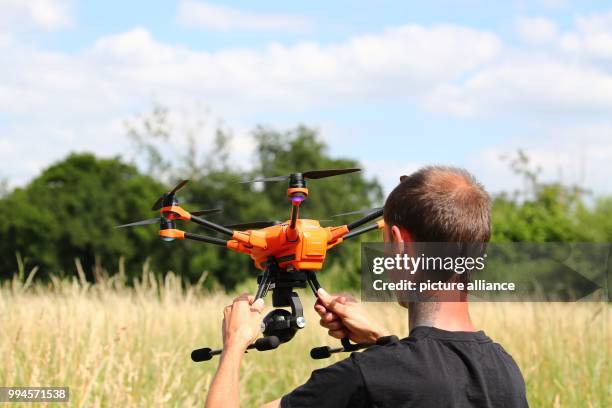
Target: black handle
[(265, 343), (203, 354), (261, 344), (319, 353)]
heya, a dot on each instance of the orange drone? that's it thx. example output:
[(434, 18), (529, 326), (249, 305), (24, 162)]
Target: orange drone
[(288, 253)]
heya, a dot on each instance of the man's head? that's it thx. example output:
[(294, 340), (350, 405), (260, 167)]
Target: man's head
[(438, 204), (441, 205)]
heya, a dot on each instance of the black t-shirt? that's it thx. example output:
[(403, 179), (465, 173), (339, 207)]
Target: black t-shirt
[(430, 368)]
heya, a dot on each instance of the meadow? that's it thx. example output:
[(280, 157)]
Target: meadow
[(119, 346)]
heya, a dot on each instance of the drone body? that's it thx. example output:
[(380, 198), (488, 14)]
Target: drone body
[(306, 251)]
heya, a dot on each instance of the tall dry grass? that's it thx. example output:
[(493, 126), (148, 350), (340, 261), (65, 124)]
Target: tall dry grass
[(116, 346)]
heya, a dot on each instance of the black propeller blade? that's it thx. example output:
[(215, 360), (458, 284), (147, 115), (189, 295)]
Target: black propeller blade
[(169, 194), (318, 174), (204, 212), (313, 174), (253, 224), (266, 179), (158, 219), (137, 223), (364, 211)]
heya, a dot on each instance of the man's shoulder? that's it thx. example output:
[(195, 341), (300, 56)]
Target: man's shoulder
[(405, 353)]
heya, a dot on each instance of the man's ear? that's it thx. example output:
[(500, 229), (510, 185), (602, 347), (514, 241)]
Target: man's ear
[(396, 234), (398, 237), (400, 234), (402, 239)]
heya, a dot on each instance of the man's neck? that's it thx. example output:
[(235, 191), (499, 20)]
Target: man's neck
[(451, 316)]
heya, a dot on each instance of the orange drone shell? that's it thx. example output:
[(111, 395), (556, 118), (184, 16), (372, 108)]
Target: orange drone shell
[(306, 252)]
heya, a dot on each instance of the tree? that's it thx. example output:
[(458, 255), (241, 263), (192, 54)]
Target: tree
[(70, 211), (548, 212)]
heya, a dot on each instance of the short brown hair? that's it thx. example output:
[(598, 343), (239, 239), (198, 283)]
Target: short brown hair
[(440, 204)]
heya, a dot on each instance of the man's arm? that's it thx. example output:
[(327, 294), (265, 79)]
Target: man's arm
[(272, 404), (241, 326), (343, 316), (224, 388)]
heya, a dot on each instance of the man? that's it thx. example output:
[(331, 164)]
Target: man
[(444, 362)]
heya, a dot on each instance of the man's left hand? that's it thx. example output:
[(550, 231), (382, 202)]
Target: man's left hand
[(242, 322)]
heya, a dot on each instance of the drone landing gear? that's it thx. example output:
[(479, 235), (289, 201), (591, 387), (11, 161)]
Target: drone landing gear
[(280, 325)]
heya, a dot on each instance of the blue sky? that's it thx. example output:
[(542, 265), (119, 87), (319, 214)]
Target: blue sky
[(394, 84), (332, 21)]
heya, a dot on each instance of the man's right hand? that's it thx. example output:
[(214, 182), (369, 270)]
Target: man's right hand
[(343, 316)]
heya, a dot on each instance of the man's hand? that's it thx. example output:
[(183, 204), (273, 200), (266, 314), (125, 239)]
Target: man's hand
[(241, 326), (343, 316), (242, 322)]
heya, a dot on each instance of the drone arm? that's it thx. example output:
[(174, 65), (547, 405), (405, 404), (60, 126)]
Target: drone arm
[(173, 233), (204, 238), (211, 225), (378, 225), (364, 220)]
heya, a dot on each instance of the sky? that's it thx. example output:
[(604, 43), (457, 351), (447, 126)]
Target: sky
[(394, 84)]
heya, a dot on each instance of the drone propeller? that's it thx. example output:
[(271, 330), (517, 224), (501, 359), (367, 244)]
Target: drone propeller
[(138, 223), (253, 224), (169, 196), (158, 219), (313, 174), (364, 211), (205, 212)]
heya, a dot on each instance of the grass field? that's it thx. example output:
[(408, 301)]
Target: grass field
[(129, 347)]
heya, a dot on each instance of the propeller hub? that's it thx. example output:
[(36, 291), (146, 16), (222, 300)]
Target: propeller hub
[(165, 224), (297, 180), (169, 200)]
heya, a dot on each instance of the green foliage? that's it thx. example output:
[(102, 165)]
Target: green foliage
[(70, 211), (548, 212)]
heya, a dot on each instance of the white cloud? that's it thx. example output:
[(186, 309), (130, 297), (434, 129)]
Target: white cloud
[(41, 14), (122, 71), (592, 37), (558, 73), (537, 31), (86, 94), (579, 154), (528, 85), (217, 17)]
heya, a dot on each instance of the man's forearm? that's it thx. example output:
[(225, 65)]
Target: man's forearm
[(224, 388)]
